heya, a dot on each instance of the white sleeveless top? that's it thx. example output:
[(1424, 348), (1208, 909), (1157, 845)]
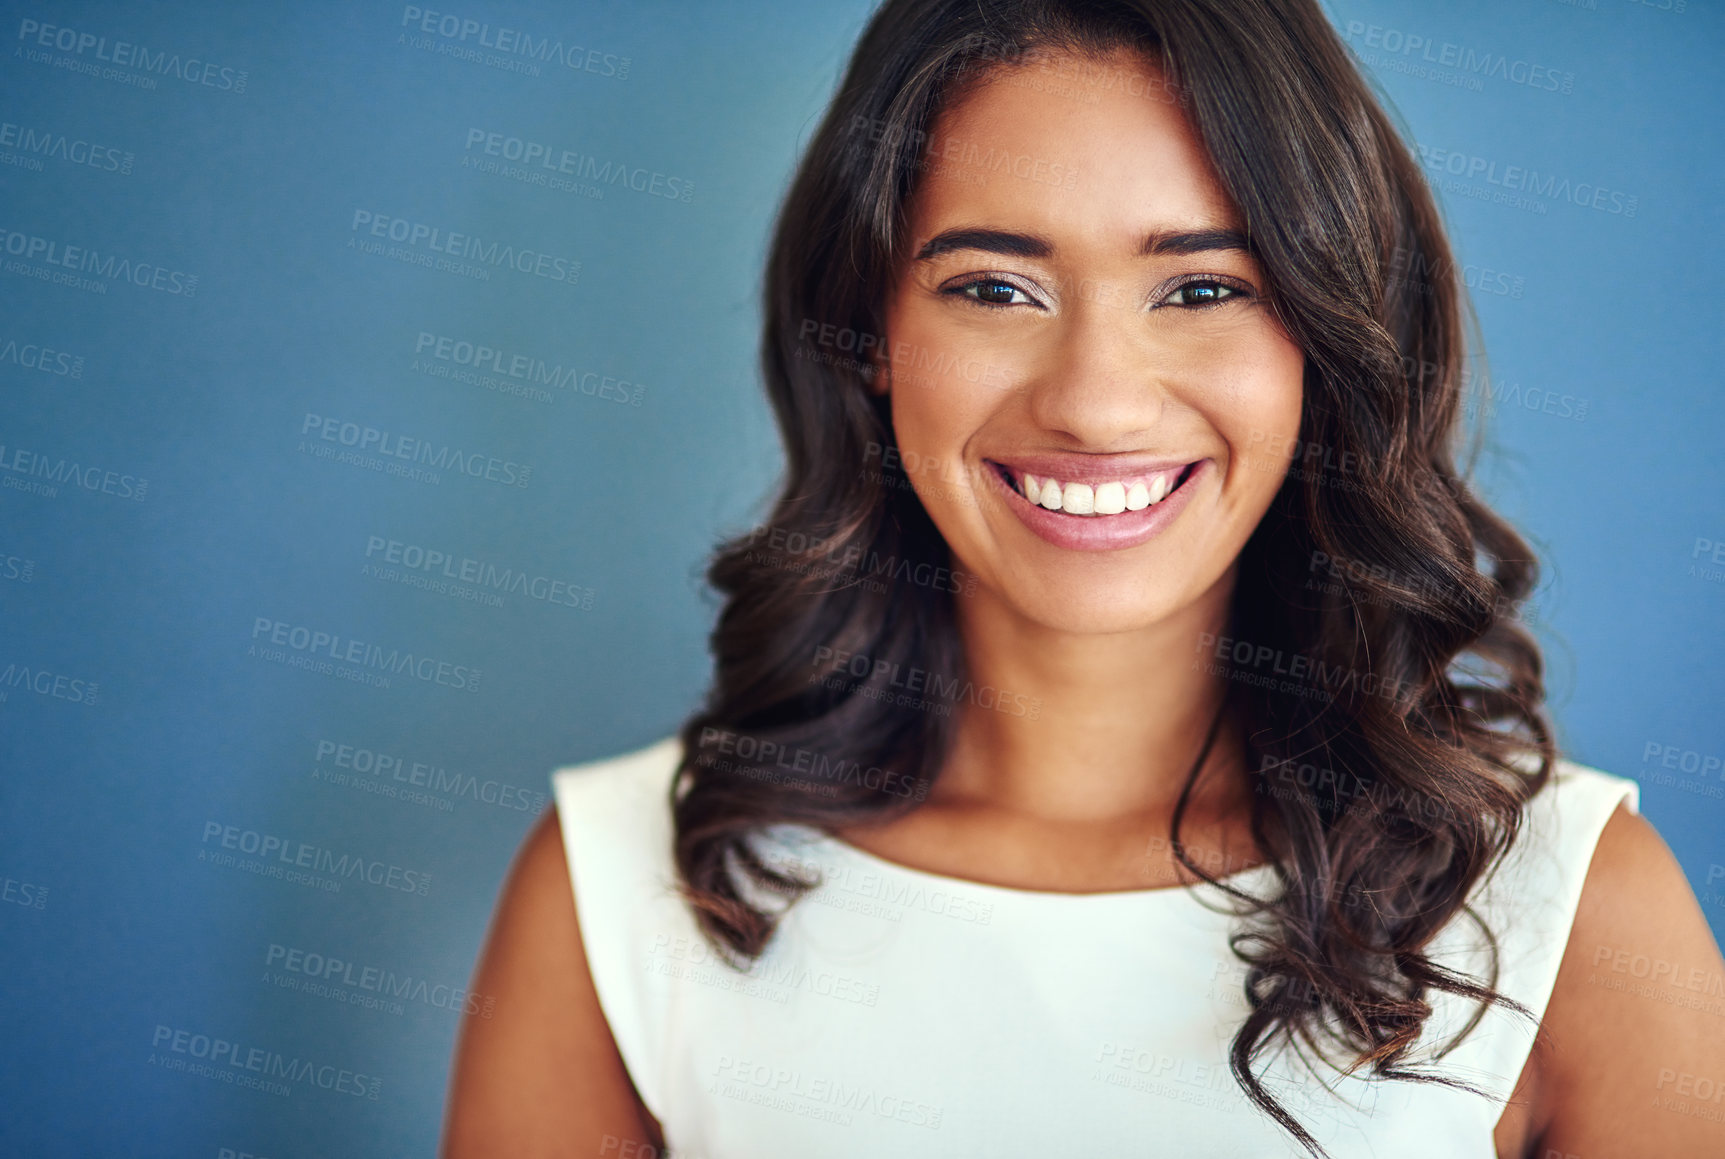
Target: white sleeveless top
[(908, 1014)]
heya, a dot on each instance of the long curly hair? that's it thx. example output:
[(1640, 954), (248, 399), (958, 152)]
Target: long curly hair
[(1376, 575)]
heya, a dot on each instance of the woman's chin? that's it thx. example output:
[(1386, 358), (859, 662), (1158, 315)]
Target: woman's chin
[(1103, 611)]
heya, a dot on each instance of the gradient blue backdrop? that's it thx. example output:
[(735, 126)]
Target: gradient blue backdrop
[(123, 924)]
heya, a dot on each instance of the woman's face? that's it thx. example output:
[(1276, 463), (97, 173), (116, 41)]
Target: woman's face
[(1076, 305)]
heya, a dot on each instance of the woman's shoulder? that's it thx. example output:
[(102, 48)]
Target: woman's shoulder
[(1583, 874), (509, 1087), (1537, 884), (626, 775), (614, 818), (1618, 868), (1639, 1000), (1561, 824), (1584, 781), (618, 799), (614, 814), (1575, 788)]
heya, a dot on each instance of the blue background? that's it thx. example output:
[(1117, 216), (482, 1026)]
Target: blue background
[(120, 917)]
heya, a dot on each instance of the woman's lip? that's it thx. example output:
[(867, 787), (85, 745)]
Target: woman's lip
[(1089, 469), (1102, 532)]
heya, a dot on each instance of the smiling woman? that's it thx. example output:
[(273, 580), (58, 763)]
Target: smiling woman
[(1122, 833)]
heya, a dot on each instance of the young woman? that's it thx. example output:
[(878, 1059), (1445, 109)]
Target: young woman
[(1122, 738)]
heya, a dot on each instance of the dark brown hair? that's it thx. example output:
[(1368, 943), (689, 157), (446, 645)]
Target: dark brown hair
[(1425, 692)]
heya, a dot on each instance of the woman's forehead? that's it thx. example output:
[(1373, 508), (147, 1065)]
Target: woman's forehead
[(1095, 162)]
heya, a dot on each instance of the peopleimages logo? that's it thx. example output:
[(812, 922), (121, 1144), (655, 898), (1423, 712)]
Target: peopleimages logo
[(583, 166), (46, 359), (823, 1097), (325, 649), (465, 246), (387, 445), (1522, 179), (431, 561), (526, 369), (16, 568), (124, 54), (23, 893), (113, 267), (60, 147), (41, 681), (302, 855), (335, 971), (1463, 58), (513, 42), (368, 764), (235, 1059), (33, 471)]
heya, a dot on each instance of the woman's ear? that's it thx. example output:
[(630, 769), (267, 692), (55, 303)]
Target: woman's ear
[(880, 371), (880, 364)]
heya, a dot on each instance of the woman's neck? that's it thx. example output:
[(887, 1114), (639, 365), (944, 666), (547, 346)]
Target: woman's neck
[(1067, 727)]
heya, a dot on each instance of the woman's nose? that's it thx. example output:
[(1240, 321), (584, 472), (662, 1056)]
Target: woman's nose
[(1100, 379)]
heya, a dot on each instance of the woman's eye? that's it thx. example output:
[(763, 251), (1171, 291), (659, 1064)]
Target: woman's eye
[(1201, 293), (992, 292)]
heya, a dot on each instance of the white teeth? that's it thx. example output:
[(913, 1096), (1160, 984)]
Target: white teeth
[(1099, 499), (1078, 499)]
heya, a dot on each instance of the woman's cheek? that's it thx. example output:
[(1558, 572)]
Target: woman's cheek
[(934, 401), (1255, 403), (934, 413)]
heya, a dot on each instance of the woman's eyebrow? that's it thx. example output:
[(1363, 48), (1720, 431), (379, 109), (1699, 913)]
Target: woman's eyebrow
[(1194, 241), (1028, 245), (994, 241)]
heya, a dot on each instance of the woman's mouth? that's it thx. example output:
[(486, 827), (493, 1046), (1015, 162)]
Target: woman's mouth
[(1103, 508), (1096, 497)]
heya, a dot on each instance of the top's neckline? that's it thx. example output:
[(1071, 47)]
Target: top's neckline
[(1243, 879)]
